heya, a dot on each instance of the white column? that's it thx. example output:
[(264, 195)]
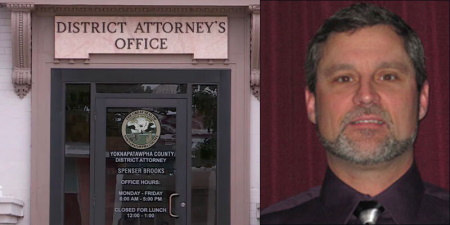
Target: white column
[(254, 161), (254, 116), (15, 117)]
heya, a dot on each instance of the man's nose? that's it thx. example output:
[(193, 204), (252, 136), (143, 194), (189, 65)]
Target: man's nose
[(366, 93)]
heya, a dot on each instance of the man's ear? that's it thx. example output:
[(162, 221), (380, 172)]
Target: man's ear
[(310, 100), (423, 100)]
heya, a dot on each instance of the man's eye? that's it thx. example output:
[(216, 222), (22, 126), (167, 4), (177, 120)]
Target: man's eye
[(388, 77), (344, 79)]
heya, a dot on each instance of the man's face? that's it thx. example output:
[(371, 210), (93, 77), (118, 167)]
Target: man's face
[(366, 102)]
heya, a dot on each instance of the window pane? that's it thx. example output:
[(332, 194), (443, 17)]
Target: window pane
[(204, 154), (142, 88), (77, 161), (140, 180)]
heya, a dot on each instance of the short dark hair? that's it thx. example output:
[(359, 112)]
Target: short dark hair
[(358, 16)]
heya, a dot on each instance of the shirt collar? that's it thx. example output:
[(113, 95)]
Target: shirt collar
[(401, 200), (339, 199)]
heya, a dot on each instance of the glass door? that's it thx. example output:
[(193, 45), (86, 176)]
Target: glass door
[(153, 151), (140, 164)]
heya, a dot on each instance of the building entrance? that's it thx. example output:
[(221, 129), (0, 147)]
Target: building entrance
[(144, 168), (140, 147)]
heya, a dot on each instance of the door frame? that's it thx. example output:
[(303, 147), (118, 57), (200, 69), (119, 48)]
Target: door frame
[(61, 77)]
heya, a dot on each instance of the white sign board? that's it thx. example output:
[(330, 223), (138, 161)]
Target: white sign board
[(78, 36)]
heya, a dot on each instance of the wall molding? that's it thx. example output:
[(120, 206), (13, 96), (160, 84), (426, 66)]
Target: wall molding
[(21, 46), (138, 10)]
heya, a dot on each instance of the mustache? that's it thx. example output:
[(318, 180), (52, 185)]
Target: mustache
[(370, 110)]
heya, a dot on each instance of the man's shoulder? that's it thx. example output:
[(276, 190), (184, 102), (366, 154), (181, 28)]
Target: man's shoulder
[(436, 192), (303, 206), (435, 204)]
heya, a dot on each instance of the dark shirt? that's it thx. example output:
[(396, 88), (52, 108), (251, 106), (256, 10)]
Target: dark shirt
[(408, 201)]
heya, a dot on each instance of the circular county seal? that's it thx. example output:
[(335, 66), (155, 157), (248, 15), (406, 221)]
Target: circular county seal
[(141, 129)]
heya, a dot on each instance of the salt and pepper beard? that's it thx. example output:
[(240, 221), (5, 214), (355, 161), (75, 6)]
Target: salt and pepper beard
[(347, 149)]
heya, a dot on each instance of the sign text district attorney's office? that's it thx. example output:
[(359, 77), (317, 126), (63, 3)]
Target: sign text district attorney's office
[(78, 36)]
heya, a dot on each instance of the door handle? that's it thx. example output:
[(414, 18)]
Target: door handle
[(170, 205)]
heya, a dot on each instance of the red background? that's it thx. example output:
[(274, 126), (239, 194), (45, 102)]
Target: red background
[(292, 159)]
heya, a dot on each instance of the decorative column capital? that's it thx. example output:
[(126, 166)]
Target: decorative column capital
[(255, 51), (21, 46)]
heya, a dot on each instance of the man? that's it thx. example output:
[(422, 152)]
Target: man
[(367, 91)]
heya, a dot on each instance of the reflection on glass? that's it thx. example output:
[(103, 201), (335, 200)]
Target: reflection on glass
[(142, 88), (140, 181), (204, 154), (76, 163)]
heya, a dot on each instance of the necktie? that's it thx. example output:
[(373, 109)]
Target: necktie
[(368, 211)]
